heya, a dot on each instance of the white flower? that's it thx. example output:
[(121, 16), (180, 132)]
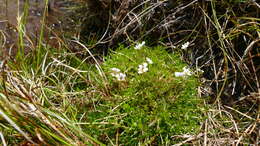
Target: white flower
[(186, 72), (179, 74), (139, 46), (142, 68), (115, 71), (185, 45), (121, 76), (149, 60)]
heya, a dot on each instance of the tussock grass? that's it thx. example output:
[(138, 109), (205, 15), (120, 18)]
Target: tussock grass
[(37, 105)]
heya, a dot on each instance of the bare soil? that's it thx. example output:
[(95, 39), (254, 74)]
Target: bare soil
[(11, 11)]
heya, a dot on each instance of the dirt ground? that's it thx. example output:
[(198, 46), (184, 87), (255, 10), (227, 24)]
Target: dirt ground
[(12, 10)]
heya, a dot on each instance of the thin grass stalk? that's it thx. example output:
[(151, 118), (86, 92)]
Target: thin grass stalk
[(222, 47), (39, 48)]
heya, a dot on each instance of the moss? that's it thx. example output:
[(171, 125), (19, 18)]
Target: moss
[(150, 107)]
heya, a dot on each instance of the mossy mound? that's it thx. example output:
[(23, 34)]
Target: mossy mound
[(146, 105)]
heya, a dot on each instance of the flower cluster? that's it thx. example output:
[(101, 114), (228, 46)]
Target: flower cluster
[(186, 72), (139, 46), (149, 60), (115, 72), (142, 68), (185, 45)]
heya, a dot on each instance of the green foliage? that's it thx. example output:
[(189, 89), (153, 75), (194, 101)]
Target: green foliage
[(149, 107)]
